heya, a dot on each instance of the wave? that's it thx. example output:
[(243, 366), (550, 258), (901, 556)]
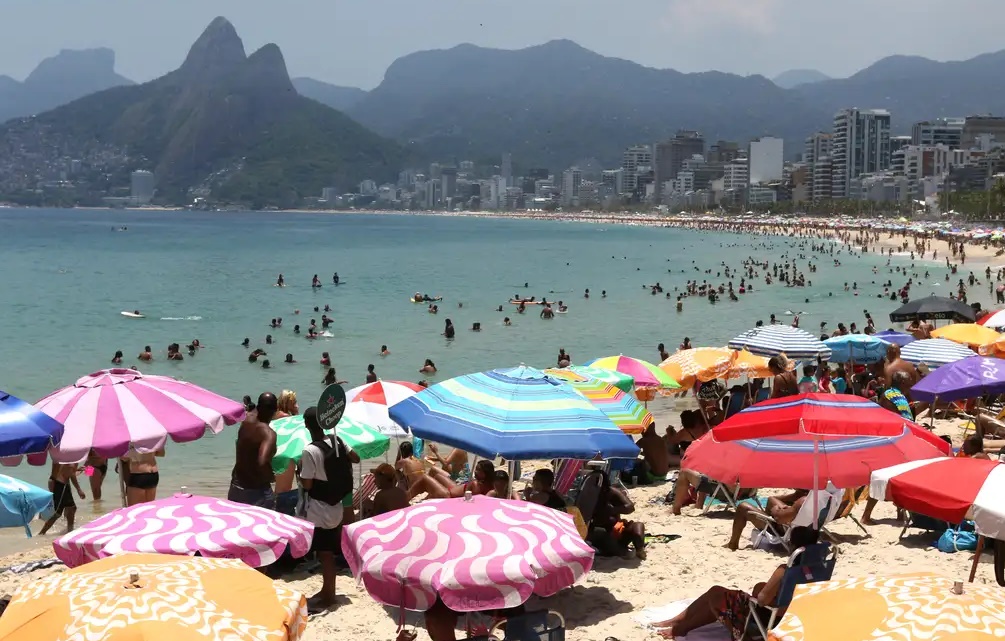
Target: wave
[(182, 318)]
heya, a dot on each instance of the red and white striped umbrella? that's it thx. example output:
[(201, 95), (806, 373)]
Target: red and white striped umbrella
[(368, 403), (115, 410), (949, 489), (994, 319)]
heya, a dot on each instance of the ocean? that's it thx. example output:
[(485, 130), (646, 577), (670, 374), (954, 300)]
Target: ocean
[(68, 275)]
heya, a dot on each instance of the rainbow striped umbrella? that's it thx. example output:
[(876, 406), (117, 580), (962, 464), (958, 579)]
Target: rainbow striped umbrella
[(645, 373), (519, 413), (623, 410), (580, 374)]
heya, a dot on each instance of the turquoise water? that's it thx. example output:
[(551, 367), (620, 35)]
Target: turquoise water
[(67, 276)]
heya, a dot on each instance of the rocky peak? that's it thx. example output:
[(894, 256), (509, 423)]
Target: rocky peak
[(266, 68), (217, 52)]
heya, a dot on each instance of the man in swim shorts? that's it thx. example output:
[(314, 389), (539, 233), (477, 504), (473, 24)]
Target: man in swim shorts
[(60, 480), (251, 479)]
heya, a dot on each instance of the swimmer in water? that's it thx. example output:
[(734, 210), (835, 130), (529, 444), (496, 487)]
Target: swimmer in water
[(383, 351), (428, 368), (146, 354), (117, 359), (246, 342), (506, 322), (289, 359), (448, 329), (316, 282), (280, 282)]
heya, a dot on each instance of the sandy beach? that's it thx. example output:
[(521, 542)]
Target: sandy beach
[(615, 591)]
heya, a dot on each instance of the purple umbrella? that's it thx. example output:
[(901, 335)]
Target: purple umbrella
[(966, 378), (897, 338)]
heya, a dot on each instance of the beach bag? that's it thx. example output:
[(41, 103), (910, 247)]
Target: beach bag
[(959, 539), (338, 472)]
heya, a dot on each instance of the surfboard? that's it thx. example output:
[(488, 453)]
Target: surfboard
[(132, 315)]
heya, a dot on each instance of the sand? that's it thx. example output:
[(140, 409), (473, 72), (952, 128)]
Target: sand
[(605, 603)]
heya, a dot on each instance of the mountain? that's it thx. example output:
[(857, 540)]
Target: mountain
[(555, 103), (915, 88), (795, 77), (336, 97), (58, 80), (225, 123)]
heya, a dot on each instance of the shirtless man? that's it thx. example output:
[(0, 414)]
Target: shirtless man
[(655, 452), (389, 496), (251, 479), (60, 479), (894, 363), (437, 484), (146, 354), (782, 509)]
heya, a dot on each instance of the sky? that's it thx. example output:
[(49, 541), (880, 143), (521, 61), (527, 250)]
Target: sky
[(352, 42)]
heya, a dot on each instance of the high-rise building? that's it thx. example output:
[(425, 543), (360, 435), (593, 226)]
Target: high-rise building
[(860, 145), (448, 182), (507, 169), (466, 166), (817, 156), (141, 187), (635, 157), (572, 178), (723, 151), (434, 171), (671, 154), (975, 126), (538, 173), (736, 175), (766, 160), (944, 131), (613, 181)]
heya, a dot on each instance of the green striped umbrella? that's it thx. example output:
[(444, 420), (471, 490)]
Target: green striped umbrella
[(580, 374), (623, 410), (292, 437)]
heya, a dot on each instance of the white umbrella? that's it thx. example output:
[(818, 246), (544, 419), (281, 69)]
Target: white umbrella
[(771, 340)]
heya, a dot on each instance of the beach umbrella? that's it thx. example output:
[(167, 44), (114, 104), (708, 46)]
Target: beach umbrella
[(476, 553), (24, 429), (994, 319), (113, 411), (895, 337), (771, 340), (949, 489), (934, 308), (155, 597), (970, 377), (934, 352), (996, 349), (368, 404), (21, 503), (623, 410), (188, 524), (292, 437), (645, 373), (857, 348), (969, 334), (909, 607), (814, 414), (518, 413), (703, 364), (808, 461), (578, 373)]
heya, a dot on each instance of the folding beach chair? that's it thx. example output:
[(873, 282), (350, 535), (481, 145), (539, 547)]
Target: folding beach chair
[(851, 498), (926, 523), (736, 401), (713, 490), (367, 488), (586, 503), (806, 565), (778, 533), (542, 625), (565, 474)]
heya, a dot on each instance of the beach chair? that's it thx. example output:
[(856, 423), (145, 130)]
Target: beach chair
[(715, 490), (763, 394), (736, 400), (565, 475), (367, 488), (541, 625), (806, 565), (586, 503), (851, 498), (778, 533)]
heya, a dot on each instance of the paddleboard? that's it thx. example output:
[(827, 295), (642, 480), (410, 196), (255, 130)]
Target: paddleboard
[(132, 315), (525, 302), (565, 312), (433, 300)]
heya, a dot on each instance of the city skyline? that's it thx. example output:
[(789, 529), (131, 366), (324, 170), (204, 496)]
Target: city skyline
[(353, 44)]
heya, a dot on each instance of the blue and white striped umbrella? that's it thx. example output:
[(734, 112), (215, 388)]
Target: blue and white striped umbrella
[(519, 413), (861, 348), (21, 502), (771, 340), (934, 352)]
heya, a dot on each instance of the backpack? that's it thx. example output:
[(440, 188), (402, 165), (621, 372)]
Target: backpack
[(338, 471)]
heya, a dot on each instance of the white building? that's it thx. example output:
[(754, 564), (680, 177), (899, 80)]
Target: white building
[(572, 178), (943, 131), (736, 175), (766, 160), (329, 194), (141, 187), (613, 180), (368, 188), (860, 145), (632, 160)]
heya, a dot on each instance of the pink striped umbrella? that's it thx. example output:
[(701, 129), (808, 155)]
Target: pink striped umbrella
[(185, 525), (115, 410), (475, 554)]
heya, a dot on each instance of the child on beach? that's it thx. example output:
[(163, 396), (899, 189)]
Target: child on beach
[(808, 384)]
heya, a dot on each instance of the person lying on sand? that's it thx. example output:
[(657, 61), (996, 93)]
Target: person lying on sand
[(456, 464), (437, 484), (732, 607), (783, 509)]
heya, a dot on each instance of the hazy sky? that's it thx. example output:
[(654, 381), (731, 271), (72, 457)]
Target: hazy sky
[(352, 42)]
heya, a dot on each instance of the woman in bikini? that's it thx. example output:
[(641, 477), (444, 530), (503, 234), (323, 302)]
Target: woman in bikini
[(286, 492), (99, 467), (437, 484), (141, 484)]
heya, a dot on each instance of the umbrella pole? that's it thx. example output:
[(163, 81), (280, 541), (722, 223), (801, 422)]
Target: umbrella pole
[(122, 482), (816, 477), (977, 557)]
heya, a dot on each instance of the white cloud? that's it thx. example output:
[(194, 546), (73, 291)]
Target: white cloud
[(755, 15)]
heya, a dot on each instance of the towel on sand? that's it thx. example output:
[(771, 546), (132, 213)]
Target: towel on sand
[(712, 632), (760, 503)]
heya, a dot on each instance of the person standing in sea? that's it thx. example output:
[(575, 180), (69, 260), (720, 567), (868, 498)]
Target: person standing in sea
[(251, 479)]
